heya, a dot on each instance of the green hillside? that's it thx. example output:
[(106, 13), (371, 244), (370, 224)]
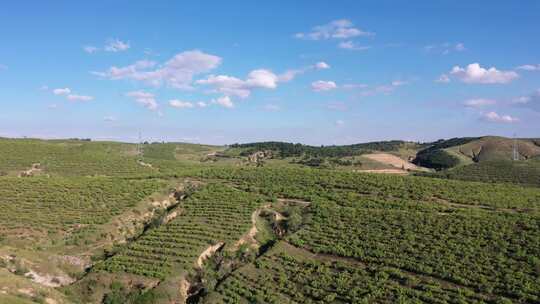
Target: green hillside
[(454, 152), (97, 222)]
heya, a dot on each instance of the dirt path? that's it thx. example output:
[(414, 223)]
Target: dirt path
[(140, 162), (208, 253), (35, 169), (392, 160)]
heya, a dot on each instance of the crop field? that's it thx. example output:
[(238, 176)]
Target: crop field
[(525, 173), (214, 214), (40, 210), (219, 232)]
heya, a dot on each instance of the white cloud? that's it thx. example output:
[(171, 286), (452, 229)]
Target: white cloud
[(181, 104), (495, 117), (479, 102), (460, 47), (75, 97), (474, 73), (232, 86), (529, 67), (145, 99), (443, 79), (262, 79), (321, 85), (64, 91), (337, 29), (321, 65), (90, 49), (177, 72), (116, 45), (339, 123), (351, 45), (224, 101), (52, 106), (109, 118)]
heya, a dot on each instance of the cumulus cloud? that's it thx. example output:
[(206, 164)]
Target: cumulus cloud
[(62, 91), (180, 104), (145, 99), (68, 94), (495, 117), (529, 67), (474, 73), (351, 45), (321, 65), (177, 72), (478, 102), (224, 101), (116, 45), (321, 85), (337, 29), (75, 97)]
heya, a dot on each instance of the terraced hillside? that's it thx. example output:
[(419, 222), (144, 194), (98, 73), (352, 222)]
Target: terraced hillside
[(525, 172), (178, 230)]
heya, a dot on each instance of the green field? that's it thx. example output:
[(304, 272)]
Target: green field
[(100, 223)]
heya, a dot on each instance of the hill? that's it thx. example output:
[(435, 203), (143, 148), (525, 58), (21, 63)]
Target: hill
[(105, 222), (444, 154), (524, 172)]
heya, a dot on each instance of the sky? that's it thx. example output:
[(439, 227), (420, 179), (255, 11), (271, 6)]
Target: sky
[(315, 72)]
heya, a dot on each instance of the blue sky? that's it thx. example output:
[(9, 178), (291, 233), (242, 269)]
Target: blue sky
[(317, 72)]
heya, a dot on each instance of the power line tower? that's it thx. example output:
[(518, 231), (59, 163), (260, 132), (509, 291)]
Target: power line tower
[(515, 150)]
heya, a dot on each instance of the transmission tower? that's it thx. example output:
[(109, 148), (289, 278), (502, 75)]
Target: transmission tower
[(515, 150)]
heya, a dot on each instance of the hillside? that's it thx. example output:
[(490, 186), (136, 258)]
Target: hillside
[(99, 222), (450, 153), (524, 172)]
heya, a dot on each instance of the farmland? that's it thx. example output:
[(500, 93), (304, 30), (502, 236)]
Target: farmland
[(180, 228)]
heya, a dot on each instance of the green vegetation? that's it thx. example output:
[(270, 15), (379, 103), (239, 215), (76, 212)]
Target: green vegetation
[(213, 232), (290, 150), (68, 210), (179, 243), (525, 173)]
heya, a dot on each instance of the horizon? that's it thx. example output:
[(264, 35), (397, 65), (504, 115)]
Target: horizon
[(314, 72)]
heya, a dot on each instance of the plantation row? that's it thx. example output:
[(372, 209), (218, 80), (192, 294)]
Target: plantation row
[(70, 158), (311, 184), (214, 214), (483, 237), (516, 172), (287, 275), (47, 207)]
